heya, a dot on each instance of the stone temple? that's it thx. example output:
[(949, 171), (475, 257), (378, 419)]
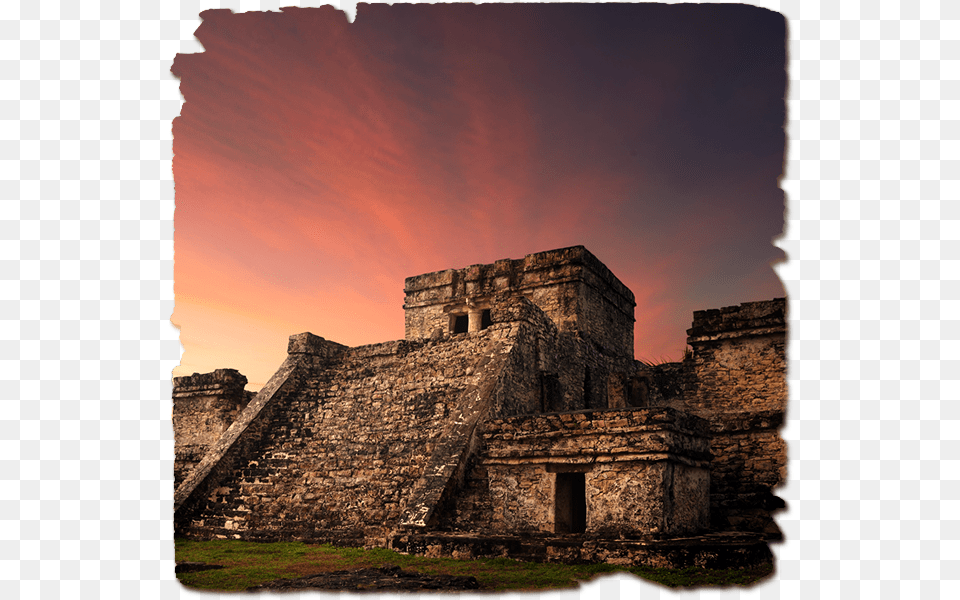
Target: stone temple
[(512, 420)]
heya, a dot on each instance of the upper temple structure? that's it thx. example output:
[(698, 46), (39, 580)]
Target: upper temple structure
[(512, 420)]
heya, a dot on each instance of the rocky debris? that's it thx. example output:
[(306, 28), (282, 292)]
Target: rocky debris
[(388, 577), (193, 567)]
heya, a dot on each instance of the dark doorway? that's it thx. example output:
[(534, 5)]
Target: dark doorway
[(485, 320), (639, 393), (460, 324), (570, 512), (587, 388), (551, 394)]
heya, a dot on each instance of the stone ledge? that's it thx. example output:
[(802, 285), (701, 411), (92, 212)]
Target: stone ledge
[(716, 550), (747, 422), (599, 436), (698, 460), (640, 419), (747, 319)]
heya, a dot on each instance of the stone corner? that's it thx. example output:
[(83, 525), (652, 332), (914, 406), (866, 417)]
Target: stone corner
[(314, 345)]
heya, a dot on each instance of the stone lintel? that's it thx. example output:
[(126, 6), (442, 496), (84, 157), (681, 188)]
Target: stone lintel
[(600, 436), (604, 420)]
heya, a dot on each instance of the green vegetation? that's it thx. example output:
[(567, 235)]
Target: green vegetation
[(251, 563)]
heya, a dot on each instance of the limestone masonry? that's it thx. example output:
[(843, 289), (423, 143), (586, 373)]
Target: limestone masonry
[(512, 420)]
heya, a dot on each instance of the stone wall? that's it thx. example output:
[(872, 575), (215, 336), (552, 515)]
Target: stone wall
[(643, 472), (713, 551), (576, 291), (739, 358), (204, 407), (750, 461), (736, 379)]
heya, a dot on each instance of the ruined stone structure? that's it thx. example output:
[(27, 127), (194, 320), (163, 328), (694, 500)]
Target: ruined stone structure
[(204, 406), (511, 420)]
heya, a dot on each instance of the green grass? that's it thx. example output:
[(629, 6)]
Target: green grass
[(252, 563)]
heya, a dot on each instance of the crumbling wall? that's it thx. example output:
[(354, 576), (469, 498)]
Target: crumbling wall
[(750, 461), (560, 371), (204, 406), (737, 381)]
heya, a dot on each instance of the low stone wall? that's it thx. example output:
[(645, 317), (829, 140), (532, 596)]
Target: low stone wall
[(713, 551)]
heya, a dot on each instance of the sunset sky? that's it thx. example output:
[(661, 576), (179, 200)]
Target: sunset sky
[(319, 162)]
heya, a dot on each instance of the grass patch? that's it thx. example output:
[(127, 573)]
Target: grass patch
[(251, 563)]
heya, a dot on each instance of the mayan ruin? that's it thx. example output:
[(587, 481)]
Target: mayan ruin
[(512, 420)]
